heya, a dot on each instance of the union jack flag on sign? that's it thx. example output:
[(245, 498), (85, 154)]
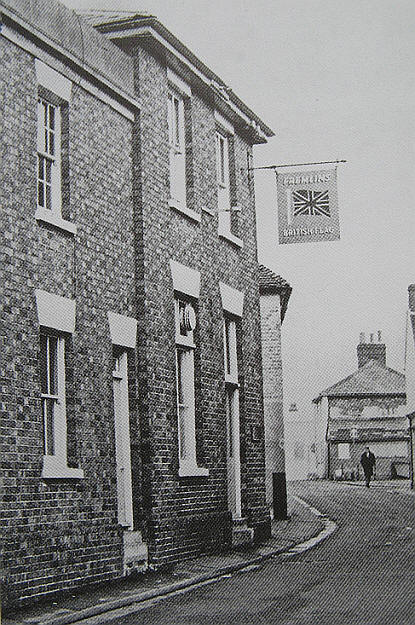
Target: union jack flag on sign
[(309, 202)]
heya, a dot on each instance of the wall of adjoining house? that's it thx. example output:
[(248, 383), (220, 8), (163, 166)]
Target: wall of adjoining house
[(59, 532)]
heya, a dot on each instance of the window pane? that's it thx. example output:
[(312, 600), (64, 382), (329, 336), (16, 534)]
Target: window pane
[(48, 170), (182, 431), (45, 114), (180, 381), (222, 159), (41, 167), (227, 347), (40, 194), (51, 117), (43, 364), (48, 198), (48, 407), (53, 378), (177, 121), (229, 418), (182, 323), (51, 142)]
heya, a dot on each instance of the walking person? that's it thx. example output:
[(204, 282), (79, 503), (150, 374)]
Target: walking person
[(368, 460)]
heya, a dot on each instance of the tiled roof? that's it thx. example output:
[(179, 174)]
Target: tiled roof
[(99, 16), (270, 282), (371, 379), (268, 279), (72, 39)]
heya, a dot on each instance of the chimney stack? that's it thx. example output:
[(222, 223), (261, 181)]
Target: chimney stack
[(411, 293), (372, 350)]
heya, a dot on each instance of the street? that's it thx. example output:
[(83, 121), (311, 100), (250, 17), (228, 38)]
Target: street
[(363, 574)]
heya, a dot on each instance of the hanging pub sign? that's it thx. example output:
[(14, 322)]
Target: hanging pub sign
[(307, 206)]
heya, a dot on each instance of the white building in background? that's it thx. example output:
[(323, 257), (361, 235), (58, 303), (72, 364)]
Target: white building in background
[(300, 457), (410, 376)]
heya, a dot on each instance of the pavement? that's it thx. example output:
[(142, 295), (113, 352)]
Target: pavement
[(392, 485), (364, 574), (304, 528)]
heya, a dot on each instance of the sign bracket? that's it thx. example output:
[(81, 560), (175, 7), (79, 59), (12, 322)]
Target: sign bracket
[(297, 165)]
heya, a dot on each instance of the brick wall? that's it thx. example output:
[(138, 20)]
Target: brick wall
[(173, 505), (59, 533), (273, 390), (63, 533)]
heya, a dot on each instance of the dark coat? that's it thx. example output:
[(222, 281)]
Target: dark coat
[(368, 462)]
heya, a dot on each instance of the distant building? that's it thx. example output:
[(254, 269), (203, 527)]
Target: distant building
[(274, 295), (300, 457), (410, 376), (366, 408)]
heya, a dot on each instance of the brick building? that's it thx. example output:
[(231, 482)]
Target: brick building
[(132, 405), (274, 295), (410, 376), (366, 408)]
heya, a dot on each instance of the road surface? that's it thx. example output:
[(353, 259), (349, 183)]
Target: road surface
[(364, 574)]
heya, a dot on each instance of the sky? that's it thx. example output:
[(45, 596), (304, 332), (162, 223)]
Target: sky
[(334, 80)]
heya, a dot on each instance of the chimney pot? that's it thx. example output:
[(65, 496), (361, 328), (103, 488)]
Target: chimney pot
[(362, 337), (379, 336), (371, 338)]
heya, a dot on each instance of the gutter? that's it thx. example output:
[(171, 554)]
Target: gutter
[(150, 28)]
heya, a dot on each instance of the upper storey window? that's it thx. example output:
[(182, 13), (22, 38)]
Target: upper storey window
[(223, 181), (54, 94), (48, 156), (177, 148), (226, 180)]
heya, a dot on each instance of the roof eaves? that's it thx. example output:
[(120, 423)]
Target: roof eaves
[(20, 17), (148, 26), (271, 283)]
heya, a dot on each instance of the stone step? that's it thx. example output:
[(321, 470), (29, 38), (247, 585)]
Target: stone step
[(135, 552), (242, 535)]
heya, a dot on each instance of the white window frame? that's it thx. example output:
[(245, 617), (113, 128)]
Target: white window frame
[(223, 181), (55, 460), (185, 393), (56, 317), (52, 355), (177, 149), (231, 358), (49, 191), (53, 91)]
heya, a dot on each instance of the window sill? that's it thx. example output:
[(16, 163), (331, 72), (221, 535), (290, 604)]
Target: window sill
[(192, 470), (46, 216), (225, 234), (183, 210), (54, 469), (207, 210)]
